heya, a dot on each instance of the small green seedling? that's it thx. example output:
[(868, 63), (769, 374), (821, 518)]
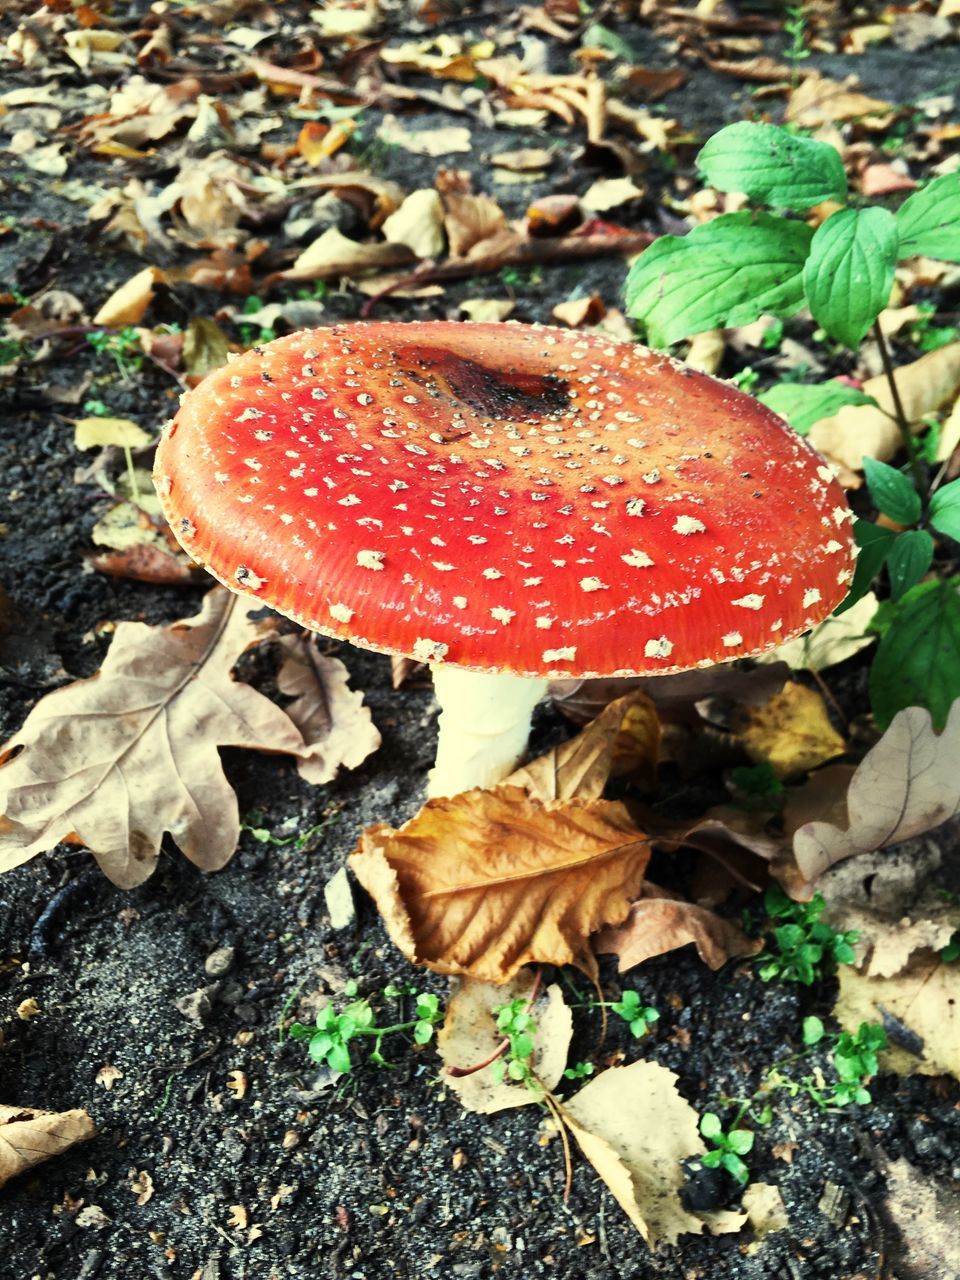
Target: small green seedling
[(579, 1071), (123, 345), (639, 1017), (728, 1147), (252, 335), (805, 948), (855, 1060), (329, 1039), (518, 1026)]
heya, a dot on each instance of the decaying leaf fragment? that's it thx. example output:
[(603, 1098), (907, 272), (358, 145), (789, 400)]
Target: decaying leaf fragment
[(792, 732), (635, 1129), (924, 1003), (469, 1036), (115, 761), (624, 738), (28, 1137), (661, 921), (329, 714), (907, 784), (484, 882)]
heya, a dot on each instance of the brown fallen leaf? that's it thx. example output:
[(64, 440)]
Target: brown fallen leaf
[(28, 1137), (662, 921), (472, 222), (469, 1036), (765, 1209), (792, 732), (335, 725), (924, 999), (867, 430), (333, 255), (818, 100), (147, 562), (907, 784), (484, 882), (624, 738), (635, 1129), (115, 761)]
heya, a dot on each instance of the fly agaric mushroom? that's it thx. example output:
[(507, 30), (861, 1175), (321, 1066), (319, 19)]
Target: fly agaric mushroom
[(508, 503)]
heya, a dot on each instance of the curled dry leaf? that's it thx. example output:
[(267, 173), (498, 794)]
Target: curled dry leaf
[(28, 1137), (469, 1035), (484, 882), (115, 761), (331, 717), (129, 303), (635, 1129), (791, 732), (817, 101), (662, 921), (907, 784), (624, 738)]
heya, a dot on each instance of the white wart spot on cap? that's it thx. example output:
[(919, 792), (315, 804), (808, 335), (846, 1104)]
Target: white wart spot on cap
[(659, 648), (370, 559), (502, 615), (429, 650), (749, 602), (689, 524), (342, 612), (567, 654), (592, 584), (249, 580), (810, 596), (635, 506), (732, 639), (637, 560)]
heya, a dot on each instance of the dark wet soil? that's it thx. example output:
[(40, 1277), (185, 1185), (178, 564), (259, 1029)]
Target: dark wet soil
[(381, 1174)]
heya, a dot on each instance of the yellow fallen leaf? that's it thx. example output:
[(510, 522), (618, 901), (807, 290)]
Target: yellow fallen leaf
[(581, 311), (129, 303), (706, 351), (791, 732), (925, 997), (481, 310), (28, 1137), (93, 433), (334, 254), (425, 142), (469, 1035), (765, 1209), (635, 1129), (418, 224), (818, 100), (484, 882), (610, 193)]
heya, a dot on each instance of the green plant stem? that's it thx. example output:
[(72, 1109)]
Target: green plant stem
[(919, 478)]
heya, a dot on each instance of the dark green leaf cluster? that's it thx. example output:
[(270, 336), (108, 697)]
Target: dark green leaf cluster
[(743, 265), (728, 1147), (855, 1060), (804, 947)]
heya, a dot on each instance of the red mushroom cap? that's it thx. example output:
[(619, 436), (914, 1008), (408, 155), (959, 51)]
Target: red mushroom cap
[(507, 498)]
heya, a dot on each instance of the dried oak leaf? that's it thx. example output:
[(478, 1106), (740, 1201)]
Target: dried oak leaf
[(791, 732), (329, 714), (484, 882), (115, 761), (661, 921), (469, 1035), (28, 1137), (906, 785), (635, 1129)]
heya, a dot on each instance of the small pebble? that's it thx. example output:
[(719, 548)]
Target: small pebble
[(219, 962), (339, 899)]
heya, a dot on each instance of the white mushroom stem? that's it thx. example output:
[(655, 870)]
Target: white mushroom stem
[(484, 726)]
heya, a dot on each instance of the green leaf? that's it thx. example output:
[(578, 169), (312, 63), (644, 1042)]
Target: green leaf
[(735, 1166), (423, 1032), (803, 405), (910, 557), (711, 1159), (875, 543), (917, 663), (929, 220), (740, 1141), (892, 492), (813, 1030), (338, 1059), (849, 273), (710, 1125), (945, 510), (727, 272), (601, 37), (773, 167)]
